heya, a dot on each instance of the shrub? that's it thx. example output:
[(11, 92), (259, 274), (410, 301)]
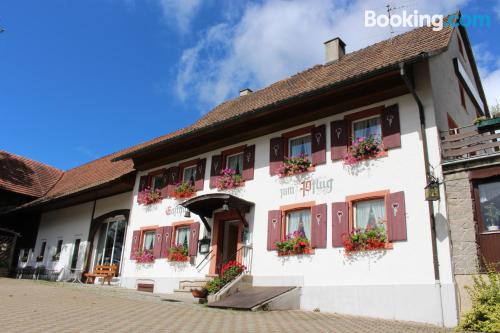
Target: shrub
[(485, 295), (215, 285)]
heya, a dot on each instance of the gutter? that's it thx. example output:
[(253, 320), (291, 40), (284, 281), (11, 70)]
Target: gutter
[(430, 204)]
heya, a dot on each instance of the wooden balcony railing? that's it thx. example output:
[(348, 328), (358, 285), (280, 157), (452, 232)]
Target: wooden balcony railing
[(470, 142)]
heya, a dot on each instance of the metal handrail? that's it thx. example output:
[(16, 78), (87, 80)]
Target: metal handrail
[(204, 259), (245, 258)]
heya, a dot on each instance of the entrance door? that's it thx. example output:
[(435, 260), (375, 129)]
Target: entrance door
[(227, 242), (110, 243)]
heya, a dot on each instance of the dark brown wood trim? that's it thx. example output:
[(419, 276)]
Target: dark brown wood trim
[(483, 173)]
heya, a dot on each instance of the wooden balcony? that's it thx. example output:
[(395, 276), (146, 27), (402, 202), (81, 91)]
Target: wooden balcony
[(471, 142)]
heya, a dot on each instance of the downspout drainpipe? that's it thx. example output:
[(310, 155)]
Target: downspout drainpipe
[(432, 220)]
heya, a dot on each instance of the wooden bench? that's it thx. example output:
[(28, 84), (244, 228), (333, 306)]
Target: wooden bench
[(106, 272)]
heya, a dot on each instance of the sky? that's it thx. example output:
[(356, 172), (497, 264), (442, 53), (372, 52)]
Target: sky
[(81, 79)]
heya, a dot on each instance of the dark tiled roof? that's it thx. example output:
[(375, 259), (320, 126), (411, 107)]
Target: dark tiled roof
[(25, 176), (385, 54)]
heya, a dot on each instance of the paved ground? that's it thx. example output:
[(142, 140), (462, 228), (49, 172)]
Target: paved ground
[(32, 306)]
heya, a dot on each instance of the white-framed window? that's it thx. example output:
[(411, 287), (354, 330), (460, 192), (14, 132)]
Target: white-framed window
[(182, 236), (298, 221), (59, 246), (300, 146), (366, 127), (369, 213), (235, 162), (157, 181), (189, 174), (148, 240)]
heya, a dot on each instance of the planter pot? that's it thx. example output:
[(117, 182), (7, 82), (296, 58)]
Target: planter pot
[(199, 293), (489, 124)]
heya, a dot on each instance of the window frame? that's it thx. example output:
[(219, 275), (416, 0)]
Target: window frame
[(59, 249), (145, 230), (235, 154), (362, 115), (152, 175), (303, 131), (230, 152), (353, 199), (289, 146), (291, 208), (43, 248), (179, 225), (481, 226), (193, 166), (351, 129)]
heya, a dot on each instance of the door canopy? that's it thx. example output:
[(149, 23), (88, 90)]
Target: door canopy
[(205, 205)]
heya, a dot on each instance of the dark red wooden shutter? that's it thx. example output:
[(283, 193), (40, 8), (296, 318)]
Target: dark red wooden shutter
[(172, 179), (163, 187), (318, 226), (194, 234), (248, 162), (340, 223), (339, 138), (276, 155), (135, 243), (158, 242), (391, 132), (200, 174), (166, 242), (215, 169), (318, 145), (143, 183), (395, 211), (273, 229)]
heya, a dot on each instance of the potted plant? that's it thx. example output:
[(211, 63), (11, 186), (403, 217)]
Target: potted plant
[(295, 165), (229, 179), (370, 238), (144, 257), (228, 272), (178, 253), (492, 214), (293, 244), (363, 148), (149, 196), (199, 293), (183, 190)]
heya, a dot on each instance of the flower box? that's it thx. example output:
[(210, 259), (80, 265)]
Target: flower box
[(486, 124), (229, 179), (371, 238), (184, 190), (148, 197), (144, 257), (24, 259), (295, 165), (294, 244), (363, 148), (178, 253)]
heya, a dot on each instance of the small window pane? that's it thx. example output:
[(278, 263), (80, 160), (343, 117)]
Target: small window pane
[(189, 175), (182, 236), (300, 221), (369, 213), (300, 146), (149, 240), (42, 249), (367, 127), (489, 199), (156, 182), (235, 162)]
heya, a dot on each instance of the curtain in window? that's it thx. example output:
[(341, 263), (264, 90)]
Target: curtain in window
[(182, 237), (157, 182), (300, 146), (149, 240), (367, 127), (369, 213), (189, 175), (235, 162), (299, 220), (489, 197)]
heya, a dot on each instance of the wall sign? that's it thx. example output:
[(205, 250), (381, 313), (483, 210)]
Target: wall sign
[(177, 210), (308, 187)]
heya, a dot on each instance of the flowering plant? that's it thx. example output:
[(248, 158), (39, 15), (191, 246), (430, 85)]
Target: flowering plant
[(228, 272), (363, 148), (24, 258), (178, 253), (229, 179), (39, 258), (183, 190), (294, 243), (55, 257), (149, 196), (371, 238), (144, 257), (295, 165)]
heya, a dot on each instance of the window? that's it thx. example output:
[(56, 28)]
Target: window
[(76, 250), (368, 213), (461, 47), (367, 127), (235, 162), (299, 146), (148, 240), (182, 236), (189, 174), (299, 221), (59, 247), (462, 95), (157, 181), (42, 249), (489, 201)]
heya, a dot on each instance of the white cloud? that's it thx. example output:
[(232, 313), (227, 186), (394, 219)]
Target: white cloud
[(180, 11), (489, 70), (273, 39)]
